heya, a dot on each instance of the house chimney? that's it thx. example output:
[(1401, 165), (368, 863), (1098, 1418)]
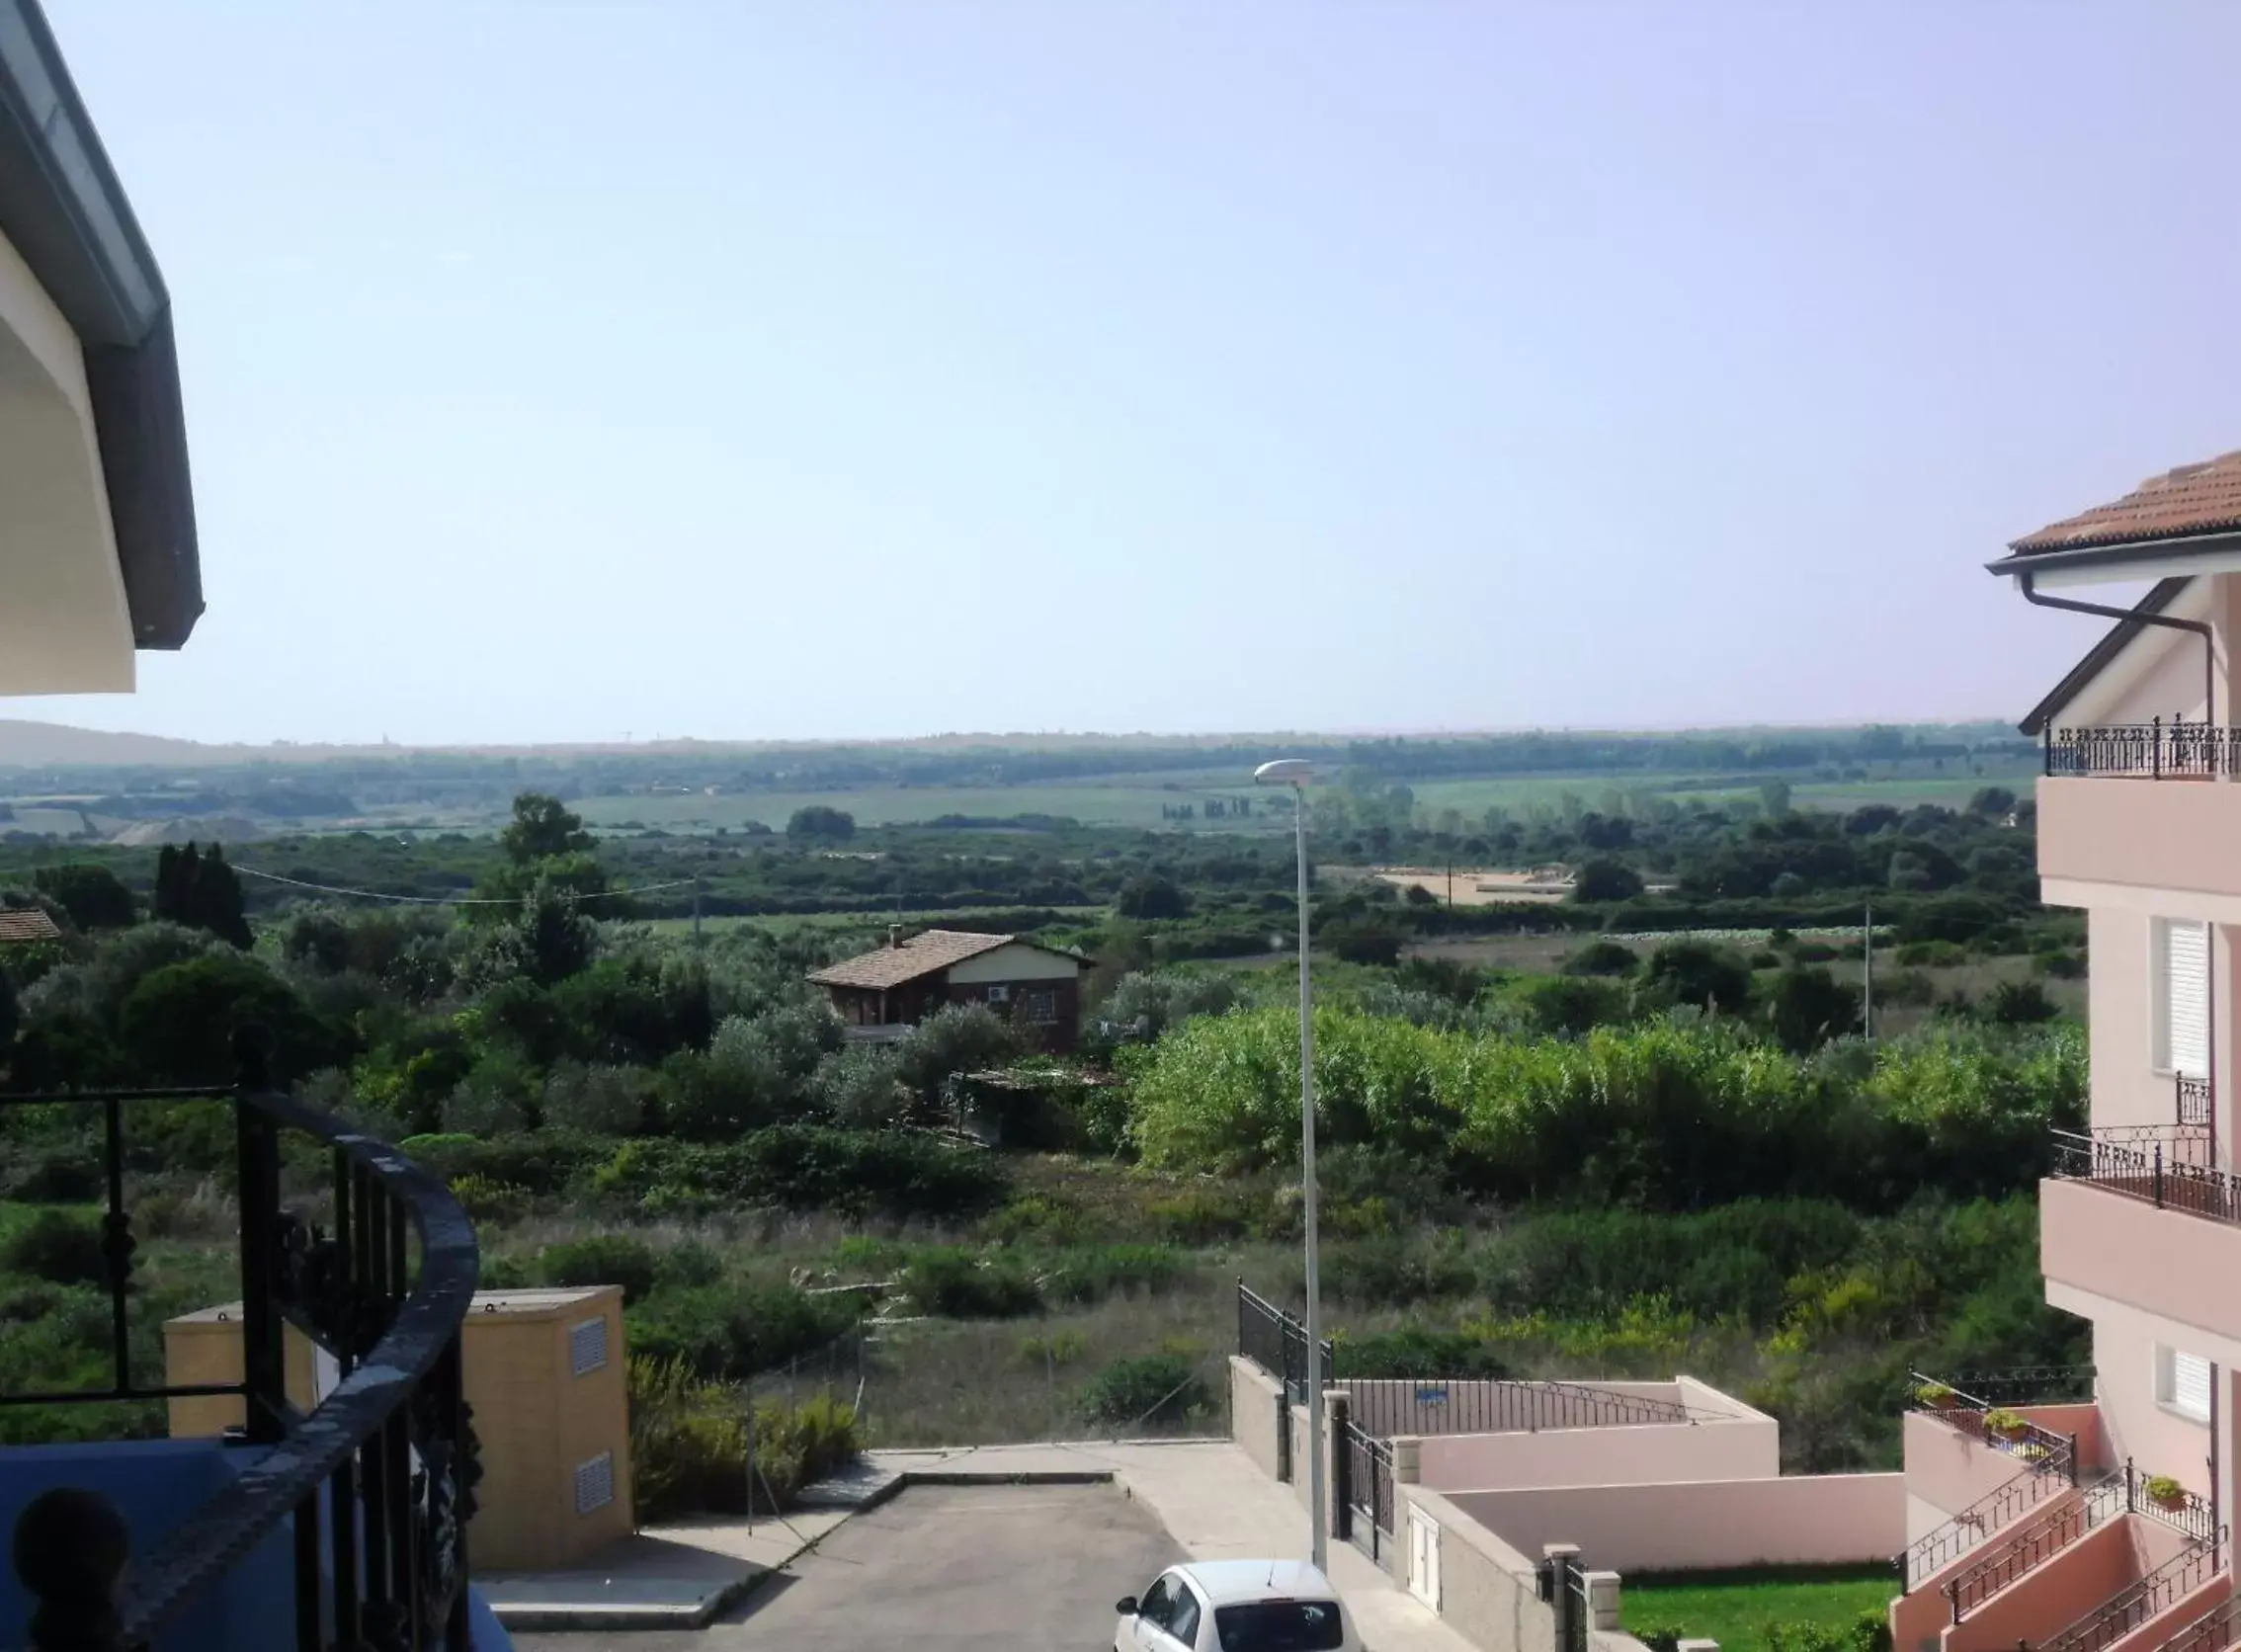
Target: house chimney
[(894, 935)]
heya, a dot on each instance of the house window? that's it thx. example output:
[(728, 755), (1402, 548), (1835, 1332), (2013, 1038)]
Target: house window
[(2183, 1383), (2182, 1009), (1039, 1007)]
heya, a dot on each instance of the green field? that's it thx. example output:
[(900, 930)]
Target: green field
[(1734, 1608)]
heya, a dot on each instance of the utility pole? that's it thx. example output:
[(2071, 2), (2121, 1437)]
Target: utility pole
[(1868, 978)]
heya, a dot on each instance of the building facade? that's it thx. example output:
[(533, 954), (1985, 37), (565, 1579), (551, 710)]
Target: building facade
[(885, 992)]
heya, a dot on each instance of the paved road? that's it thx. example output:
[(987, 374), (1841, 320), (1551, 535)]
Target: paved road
[(941, 1569)]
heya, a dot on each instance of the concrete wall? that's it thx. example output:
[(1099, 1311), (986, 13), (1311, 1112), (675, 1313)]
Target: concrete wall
[(1737, 1449), (1255, 1405), (1801, 1520), (1487, 1589), (2058, 1594), (2120, 1003), (2168, 1263), (2159, 1439)]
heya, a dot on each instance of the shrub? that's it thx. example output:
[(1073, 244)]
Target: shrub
[(732, 1332), (1698, 973), (806, 1168), (2020, 1004), (2063, 965), (694, 1452), (953, 1284), (602, 1259), (1096, 1271), (58, 1247), (1932, 954), (957, 1039), (1396, 1270), (52, 1175), (1148, 1388), (486, 1199), (1815, 951), (1601, 957), (1415, 1352), (1201, 1216)]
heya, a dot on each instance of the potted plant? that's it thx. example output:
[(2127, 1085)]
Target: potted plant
[(1936, 1396), (2164, 1491), (2007, 1425)]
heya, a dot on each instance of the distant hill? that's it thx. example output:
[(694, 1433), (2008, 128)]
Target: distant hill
[(41, 745)]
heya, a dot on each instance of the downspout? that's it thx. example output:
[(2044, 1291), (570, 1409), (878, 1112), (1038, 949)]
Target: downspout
[(2200, 628)]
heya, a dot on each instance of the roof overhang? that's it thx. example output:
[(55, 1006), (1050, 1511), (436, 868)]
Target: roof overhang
[(2114, 564), (97, 515), (2103, 654)]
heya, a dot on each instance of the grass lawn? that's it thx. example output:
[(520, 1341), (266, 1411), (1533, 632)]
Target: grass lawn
[(1733, 1608)]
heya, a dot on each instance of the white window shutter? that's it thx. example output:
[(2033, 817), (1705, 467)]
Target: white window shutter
[(2190, 1386), (2186, 998)]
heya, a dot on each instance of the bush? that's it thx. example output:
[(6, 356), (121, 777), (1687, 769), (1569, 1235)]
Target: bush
[(602, 1259), (691, 1441), (1416, 1352), (1094, 1272), (1698, 973), (1148, 1388), (952, 1284), (1932, 954), (486, 1199), (52, 1175), (58, 1247), (957, 1039), (1602, 957), (2020, 1004), (729, 1333), (807, 1168)]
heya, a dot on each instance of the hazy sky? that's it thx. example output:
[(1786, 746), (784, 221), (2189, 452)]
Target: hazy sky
[(566, 370)]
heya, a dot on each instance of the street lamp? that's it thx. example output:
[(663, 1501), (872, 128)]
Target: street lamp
[(1296, 771)]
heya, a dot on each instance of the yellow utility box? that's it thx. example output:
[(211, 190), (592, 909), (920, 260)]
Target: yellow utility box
[(544, 1373)]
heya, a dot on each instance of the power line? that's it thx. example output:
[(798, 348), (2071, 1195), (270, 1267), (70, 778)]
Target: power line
[(453, 900)]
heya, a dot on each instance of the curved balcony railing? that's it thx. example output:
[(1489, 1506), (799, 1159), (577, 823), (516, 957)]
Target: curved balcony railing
[(376, 1481)]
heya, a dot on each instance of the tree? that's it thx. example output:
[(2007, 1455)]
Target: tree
[(1148, 896), (1605, 880), (94, 896), (200, 891), (1699, 974), (818, 824), (1808, 1007), (542, 828), (1992, 803), (10, 1015), (178, 1024), (957, 1038), (1774, 797), (552, 939)]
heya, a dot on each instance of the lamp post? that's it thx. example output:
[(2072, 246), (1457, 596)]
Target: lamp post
[(1296, 771)]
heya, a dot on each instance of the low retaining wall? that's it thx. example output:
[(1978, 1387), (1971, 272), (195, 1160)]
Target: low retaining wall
[(1746, 1448), (1804, 1520), (1255, 1410), (1488, 1592)]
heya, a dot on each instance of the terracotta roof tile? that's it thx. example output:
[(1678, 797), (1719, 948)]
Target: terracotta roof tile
[(921, 955), (2194, 499), (27, 923)]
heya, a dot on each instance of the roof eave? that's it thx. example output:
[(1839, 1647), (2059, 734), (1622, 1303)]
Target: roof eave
[(2114, 643), (2166, 557), (63, 210)]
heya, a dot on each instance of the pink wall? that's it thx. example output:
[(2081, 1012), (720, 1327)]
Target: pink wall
[(1800, 1520), (2158, 1439), (1747, 1449), (2161, 1627), (2167, 1262), (1920, 1616), (2153, 834), (2053, 1597), (1951, 1470)]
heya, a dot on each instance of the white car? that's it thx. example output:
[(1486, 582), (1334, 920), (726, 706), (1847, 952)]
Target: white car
[(1235, 1605)]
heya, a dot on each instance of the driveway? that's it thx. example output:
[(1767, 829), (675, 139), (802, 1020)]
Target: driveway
[(942, 1569)]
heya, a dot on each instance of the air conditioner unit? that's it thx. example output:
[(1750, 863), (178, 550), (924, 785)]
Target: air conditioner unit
[(999, 995)]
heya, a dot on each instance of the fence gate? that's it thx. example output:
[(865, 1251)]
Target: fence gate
[(1563, 1584)]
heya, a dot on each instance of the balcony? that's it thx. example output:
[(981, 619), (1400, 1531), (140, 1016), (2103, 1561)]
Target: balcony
[(2133, 1217), (341, 1526), (2140, 804)]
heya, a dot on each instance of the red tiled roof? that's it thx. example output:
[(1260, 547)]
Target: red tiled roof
[(921, 955), (27, 923), (2194, 499)]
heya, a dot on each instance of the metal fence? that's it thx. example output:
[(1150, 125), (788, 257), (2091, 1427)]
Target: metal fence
[(2133, 1606), (2016, 1385), (2150, 1172), (1365, 1496), (2034, 1541), (1935, 1550), (2158, 749), (1277, 1343), (1470, 1405), (2211, 1632)]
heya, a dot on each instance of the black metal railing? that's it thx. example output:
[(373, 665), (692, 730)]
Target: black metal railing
[(2194, 1515), (2014, 1385), (2148, 1171), (2158, 749), (1975, 1414), (2033, 1542), (1473, 1405), (1365, 1498), (2195, 1097), (2136, 1602), (1937, 1550), (375, 1480), (2211, 1632), (2181, 1144), (1277, 1343)]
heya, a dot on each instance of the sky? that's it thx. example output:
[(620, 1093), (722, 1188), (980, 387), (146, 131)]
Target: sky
[(754, 369)]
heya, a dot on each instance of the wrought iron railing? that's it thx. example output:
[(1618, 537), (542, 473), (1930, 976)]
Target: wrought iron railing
[(2136, 1602), (2149, 1172), (2181, 1144), (2194, 1096), (2034, 1541), (2015, 1386), (1364, 1499), (1277, 1343), (1471, 1405), (2210, 1632), (1974, 1526), (376, 1480), (1976, 1415), (2193, 1515), (2158, 749)]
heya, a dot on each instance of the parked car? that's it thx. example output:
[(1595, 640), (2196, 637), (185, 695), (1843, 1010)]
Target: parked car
[(1235, 1605)]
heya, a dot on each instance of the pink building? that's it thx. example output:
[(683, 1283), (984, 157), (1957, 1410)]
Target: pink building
[(2089, 1526)]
